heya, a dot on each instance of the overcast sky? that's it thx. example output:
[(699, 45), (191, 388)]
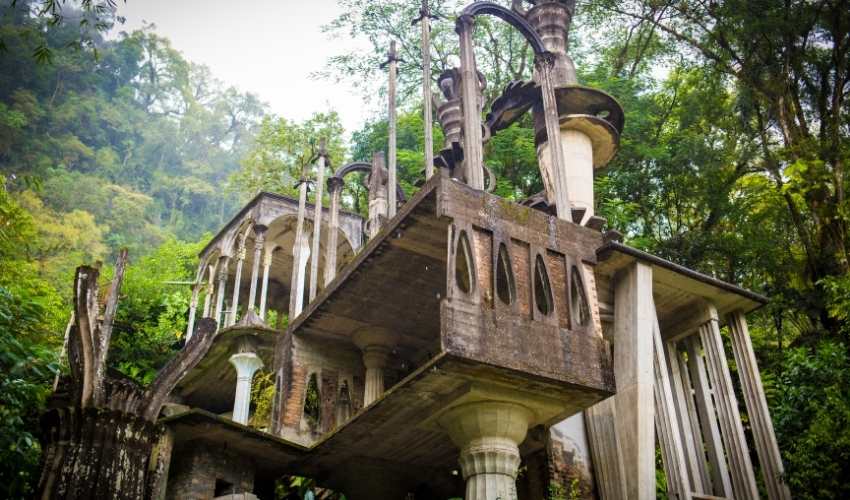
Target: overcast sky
[(268, 47)]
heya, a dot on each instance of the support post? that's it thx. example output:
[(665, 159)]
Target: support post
[(427, 115), (721, 483), (246, 364), (605, 449), (264, 294), (545, 64), (296, 246), (376, 344), (392, 60), (259, 242), (193, 309), (234, 305), (689, 428), (473, 151), (209, 290), (741, 468), (317, 220), (335, 190), (223, 263), (488, 434), (763, 434), (634, 321), (667, 424)]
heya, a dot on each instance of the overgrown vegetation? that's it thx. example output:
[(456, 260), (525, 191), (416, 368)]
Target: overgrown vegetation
[(732, 162)]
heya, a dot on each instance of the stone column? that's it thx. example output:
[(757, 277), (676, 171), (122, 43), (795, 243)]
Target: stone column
[(763, 434), (259, 242), (234, 304), (740, 467), (425, 19), (317, 221), (264, 293), (488, 434), (634, 321), (299, 231), (392, 60), (246, 364), (223, 263), (335, 190), (193, 308), (377, 345), (473, 150), (209, 290), (301, 257), (544, 63)]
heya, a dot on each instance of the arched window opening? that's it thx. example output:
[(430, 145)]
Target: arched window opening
[(579, 305), (313, 402), (542, 289), (505, 287), (343, 404), (463, 267)]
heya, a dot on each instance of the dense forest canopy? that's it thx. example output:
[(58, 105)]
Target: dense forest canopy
[(732, 162)]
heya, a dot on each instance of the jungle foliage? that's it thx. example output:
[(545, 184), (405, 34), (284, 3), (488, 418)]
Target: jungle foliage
[(732, 162)]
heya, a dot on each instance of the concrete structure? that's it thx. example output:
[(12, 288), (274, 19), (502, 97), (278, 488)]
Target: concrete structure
[(472, 347)]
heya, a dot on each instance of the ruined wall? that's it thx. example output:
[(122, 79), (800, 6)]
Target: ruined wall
[(202, 472)]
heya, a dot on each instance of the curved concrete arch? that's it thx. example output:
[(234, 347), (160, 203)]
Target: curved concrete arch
[(493, 9), (362, 166)]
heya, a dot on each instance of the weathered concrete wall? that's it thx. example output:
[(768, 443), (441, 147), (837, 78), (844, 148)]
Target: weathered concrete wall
[(196, 470), (333, 365)]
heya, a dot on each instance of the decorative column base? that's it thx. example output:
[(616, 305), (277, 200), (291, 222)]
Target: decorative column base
[(488, 434)]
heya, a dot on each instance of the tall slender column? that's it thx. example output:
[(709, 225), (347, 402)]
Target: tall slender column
[(376, 345), (689, 428), (300, 271), (264, 293), (634, 321), (473, 150), (392, 60), (317, 221), (545, 64), (193, 307), (246, 364), (488, 434), (721, 483), (425, 19), (259, 242), (209, 290), (223, 263), (299, 232), (377, 194), (763, 434), (237, 280), (335, 190), (667, 423), (740, 466)]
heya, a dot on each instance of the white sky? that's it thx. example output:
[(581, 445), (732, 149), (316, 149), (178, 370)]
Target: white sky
[(267, 47)]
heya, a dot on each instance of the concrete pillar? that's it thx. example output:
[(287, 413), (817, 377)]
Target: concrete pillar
[(317, 222), (667, 425), (246, 364), (234, 305), (301, 258), (193, 308), (634, 322), (209, 290), (560, 194), (721, 484), (223, 263), (335, 190), (763, 434), (377, 345), (377, 194), (391, 132), (740, 466), (488, 434), (299, 232), (264, 292), (259, 242), (425, 20), (473, 150)]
